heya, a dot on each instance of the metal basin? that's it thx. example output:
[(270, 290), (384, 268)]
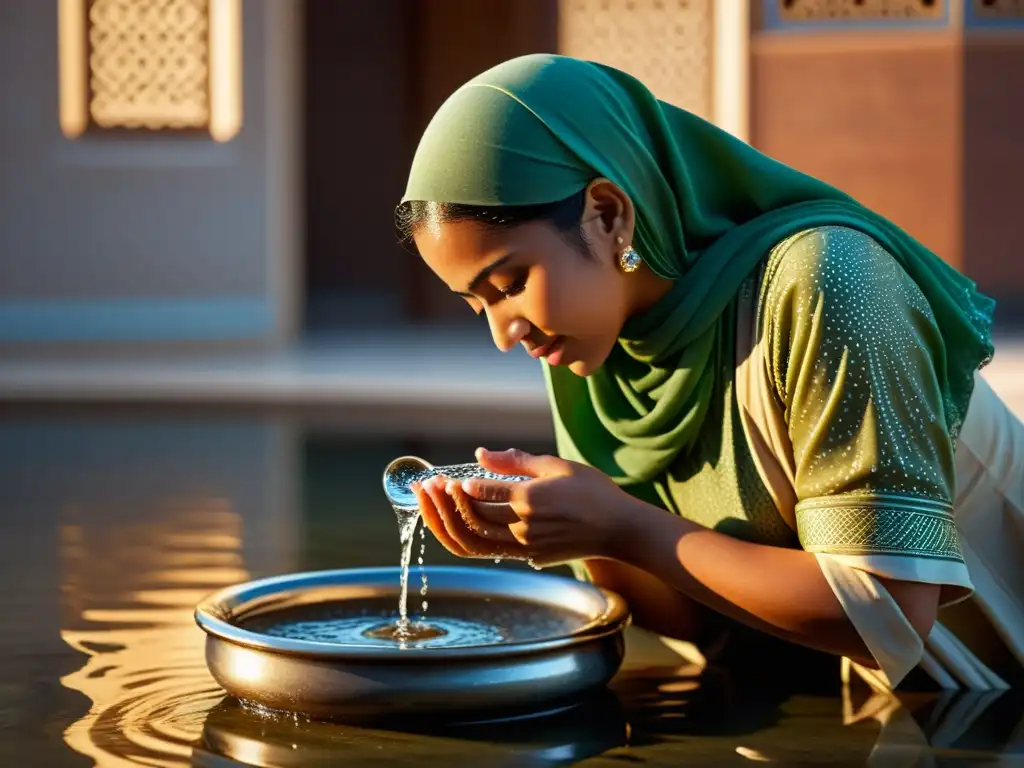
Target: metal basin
[(563, 641), (565, 738)]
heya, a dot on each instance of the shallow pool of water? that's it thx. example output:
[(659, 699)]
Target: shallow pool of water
[(461, 622), (114, 524)]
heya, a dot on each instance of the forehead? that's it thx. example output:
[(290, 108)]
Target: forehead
[(474, 244)]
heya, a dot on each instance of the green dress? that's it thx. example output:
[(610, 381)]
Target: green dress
[(873, 341), (849, 342), (850, 346)]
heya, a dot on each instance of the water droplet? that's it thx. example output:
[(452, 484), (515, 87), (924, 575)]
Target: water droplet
[(497, 560)]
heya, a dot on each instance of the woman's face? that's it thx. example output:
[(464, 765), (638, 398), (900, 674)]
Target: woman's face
[(535, 286)]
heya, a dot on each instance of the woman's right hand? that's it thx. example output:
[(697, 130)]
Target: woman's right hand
[(440, 500)]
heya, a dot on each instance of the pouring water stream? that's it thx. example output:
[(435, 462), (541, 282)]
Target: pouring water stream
[(399, 477)]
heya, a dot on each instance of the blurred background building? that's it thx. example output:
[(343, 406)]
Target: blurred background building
[(220, 175), (196, 204)]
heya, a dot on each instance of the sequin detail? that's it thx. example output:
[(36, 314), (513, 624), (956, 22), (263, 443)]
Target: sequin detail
[(885, 524), (850, 342), (852, 346)]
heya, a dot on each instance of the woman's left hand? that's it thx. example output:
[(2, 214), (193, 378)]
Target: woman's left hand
[(565, 511)]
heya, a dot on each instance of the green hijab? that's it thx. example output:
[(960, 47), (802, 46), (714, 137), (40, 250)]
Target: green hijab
[(709, 207)]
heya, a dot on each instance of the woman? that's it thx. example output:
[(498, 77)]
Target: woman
[(762, 391)]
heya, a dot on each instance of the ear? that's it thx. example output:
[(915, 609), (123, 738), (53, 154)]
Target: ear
[(608, 215)]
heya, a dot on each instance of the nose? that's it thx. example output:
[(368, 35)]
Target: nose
[(507, 333)]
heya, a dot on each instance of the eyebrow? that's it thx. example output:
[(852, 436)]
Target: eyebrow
[(483, 274)]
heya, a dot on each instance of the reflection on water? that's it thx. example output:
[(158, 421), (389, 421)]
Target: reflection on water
[(115, 528), (132, 589), (233, 732)]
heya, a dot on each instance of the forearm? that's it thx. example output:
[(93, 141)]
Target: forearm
[(779, 591), (654, 605)]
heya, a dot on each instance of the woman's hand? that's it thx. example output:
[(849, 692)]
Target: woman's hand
[(566, 511)]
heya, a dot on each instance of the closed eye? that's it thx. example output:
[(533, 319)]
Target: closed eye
[(477, 303), (515, 288)]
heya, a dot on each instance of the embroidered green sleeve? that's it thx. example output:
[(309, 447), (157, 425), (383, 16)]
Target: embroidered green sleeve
[(853, 349), (885, 524)]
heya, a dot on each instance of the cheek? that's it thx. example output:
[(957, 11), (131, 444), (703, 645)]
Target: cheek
[(581, 300), (540, 303), (557, 298), (594, 300)]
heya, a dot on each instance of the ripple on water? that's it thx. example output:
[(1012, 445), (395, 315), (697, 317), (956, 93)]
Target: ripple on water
[(440, 632), (132, 590), (465, 622)]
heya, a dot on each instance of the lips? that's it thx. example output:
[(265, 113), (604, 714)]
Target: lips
[(545, 349)]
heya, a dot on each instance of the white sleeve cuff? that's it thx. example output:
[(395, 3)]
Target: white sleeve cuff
[(878, 619)]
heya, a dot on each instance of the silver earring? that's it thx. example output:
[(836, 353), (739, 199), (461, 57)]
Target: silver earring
[(629, 259)]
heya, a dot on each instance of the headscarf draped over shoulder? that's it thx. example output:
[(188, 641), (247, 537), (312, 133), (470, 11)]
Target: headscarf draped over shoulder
[(709, 207)]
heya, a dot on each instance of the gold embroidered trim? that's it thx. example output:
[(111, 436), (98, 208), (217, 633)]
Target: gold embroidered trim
[(878, 524)]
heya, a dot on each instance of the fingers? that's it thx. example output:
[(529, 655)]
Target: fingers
[(516, 462), (476, 514), (533, 535), (493, 513), (494, 491), (459, 530), (467, 527), (456, 528), (432, 519)]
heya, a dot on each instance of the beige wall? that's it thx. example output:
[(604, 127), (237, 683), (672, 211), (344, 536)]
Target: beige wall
[(131, 236), (922, 120), (879, 118)]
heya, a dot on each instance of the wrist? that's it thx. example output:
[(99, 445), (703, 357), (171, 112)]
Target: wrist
[(624, 536)]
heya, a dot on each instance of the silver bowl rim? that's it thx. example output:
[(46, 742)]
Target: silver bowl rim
[(215, 613)]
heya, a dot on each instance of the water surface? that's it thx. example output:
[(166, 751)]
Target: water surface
[(116, 523)]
